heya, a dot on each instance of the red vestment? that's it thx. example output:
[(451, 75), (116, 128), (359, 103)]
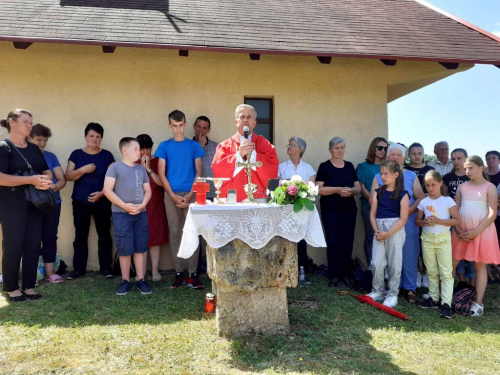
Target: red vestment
[(224, 161)]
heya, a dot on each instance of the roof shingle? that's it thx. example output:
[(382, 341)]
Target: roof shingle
[(370, 28)]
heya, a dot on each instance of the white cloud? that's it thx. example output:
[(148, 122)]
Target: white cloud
[(496, 32)]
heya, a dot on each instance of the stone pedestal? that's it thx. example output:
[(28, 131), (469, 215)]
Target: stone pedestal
[(250, 286)]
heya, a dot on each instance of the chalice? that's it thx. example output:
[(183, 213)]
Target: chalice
[(217, 184)]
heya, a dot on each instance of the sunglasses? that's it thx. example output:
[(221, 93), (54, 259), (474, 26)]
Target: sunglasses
[(380, 148)]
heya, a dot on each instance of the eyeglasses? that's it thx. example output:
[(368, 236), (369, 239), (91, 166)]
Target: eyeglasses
[(291, 146), (380, 148)]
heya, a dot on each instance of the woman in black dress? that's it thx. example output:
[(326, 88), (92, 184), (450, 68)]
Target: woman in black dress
[(21, 220), (338, 184)]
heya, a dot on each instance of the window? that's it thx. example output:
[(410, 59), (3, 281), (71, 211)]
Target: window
[(264, 108)]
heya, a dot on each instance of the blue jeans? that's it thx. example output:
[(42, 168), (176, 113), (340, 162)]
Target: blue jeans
[(465, 264), (365, 213), (411, 252)]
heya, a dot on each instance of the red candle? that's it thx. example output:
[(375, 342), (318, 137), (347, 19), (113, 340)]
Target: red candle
[(201, 188), (210, 303)]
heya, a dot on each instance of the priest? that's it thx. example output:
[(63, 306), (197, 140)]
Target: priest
[(235, 150)]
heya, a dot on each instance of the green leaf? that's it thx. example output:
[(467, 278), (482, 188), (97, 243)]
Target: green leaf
[(309, 204), (297, 206)]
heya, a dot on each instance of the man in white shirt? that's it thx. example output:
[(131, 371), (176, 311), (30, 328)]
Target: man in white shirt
[(443, 163)]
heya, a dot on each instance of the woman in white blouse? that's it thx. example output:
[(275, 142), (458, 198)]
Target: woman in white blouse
[(295, 166)]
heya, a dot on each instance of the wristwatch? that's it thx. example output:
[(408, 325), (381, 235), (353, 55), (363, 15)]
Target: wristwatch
[(150, 172)]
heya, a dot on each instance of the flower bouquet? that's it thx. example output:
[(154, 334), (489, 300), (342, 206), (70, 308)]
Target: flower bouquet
[(297, 192)]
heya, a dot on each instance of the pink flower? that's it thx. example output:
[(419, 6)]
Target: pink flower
[(292, 190)]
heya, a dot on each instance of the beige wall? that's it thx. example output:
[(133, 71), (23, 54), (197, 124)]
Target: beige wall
[(132, 91)]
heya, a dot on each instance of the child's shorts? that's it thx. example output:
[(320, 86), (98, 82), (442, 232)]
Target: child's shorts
[(131, 233)]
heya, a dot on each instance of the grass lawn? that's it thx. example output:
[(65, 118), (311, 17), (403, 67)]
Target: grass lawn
[(82, 327)]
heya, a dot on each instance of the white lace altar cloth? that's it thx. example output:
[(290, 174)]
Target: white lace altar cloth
[(254, 224)]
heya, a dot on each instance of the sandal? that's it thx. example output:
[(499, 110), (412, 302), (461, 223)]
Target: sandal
[(20, 298), (32, 296), (55, 279), (411, 296)]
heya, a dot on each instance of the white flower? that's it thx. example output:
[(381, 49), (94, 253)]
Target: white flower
[(296, 178), (312, 189), (302, 194)]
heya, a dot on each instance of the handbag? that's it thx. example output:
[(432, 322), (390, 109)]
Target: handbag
[(44, 200)]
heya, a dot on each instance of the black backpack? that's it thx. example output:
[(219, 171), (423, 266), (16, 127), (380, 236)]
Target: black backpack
[(462, 300)]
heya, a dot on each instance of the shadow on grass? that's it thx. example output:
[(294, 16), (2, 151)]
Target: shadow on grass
[(332, 334), (91, 300)]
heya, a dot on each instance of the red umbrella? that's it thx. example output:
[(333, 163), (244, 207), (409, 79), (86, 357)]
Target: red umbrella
[(370, 301)]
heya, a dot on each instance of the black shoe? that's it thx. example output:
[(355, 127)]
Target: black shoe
[(445, 311), (124, 288), (334, 282), (428, 304), (179, 280), (108, 274), (348, 282), (194, 283), (143, 286), (32, 296), (74, 275), (20, 298)]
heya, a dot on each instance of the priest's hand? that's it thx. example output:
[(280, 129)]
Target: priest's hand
[(246, 146)]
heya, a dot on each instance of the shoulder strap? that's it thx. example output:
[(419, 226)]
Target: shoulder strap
[(4, 143), (19, 152)]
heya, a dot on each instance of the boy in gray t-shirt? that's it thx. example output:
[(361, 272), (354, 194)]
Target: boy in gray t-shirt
[(127, 187)]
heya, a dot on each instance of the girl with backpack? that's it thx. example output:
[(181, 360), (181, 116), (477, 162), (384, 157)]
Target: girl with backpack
[(390, 205), (476, 238), (436, 214)]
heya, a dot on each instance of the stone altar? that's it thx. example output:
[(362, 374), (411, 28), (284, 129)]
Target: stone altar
[(250, 286), (252, 259)]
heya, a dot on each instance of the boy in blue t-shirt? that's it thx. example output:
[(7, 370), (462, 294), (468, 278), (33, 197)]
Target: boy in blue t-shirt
[(179, 164)]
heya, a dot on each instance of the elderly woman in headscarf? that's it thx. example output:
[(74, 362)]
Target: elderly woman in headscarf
[(411, 248), (296, 166)]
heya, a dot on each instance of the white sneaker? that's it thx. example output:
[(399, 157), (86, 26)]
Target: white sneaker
[(419, 280), (477, 310), (377, 296), (391, 301), (425, 282)]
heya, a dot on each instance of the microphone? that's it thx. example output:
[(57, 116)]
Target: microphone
[(246, 129)]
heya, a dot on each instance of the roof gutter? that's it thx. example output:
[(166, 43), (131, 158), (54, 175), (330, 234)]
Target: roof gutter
[(241, 50)]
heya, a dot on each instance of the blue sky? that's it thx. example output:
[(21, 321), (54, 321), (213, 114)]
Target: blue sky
[(463, 109)]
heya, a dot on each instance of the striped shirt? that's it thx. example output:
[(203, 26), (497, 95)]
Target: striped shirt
[(440, 167), (206, 161)]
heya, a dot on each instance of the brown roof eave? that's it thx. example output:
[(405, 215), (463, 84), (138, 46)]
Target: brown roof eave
[(241, 50)]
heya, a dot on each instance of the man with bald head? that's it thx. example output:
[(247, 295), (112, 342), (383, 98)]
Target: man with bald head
[(443, 163)]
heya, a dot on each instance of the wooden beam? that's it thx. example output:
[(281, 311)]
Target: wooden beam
[(183, 52), (324, 59), (108, 49), (22, 45), (450, 66), (254, 56), (389, 62)]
